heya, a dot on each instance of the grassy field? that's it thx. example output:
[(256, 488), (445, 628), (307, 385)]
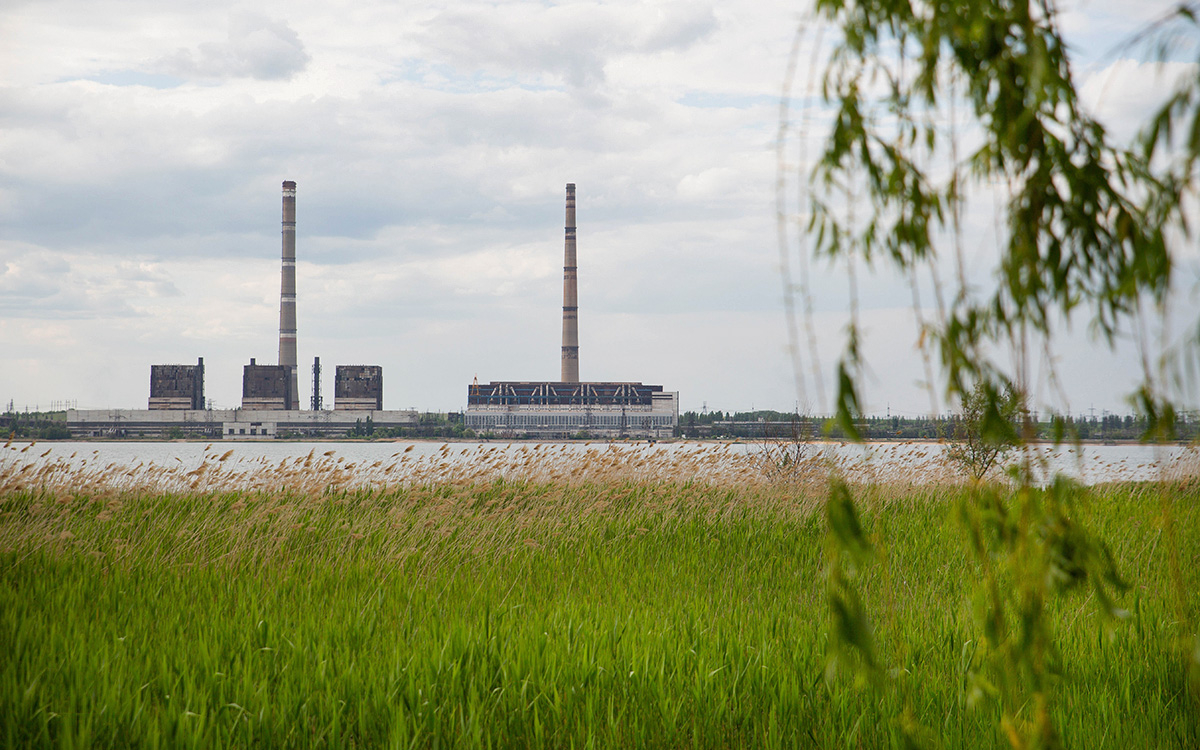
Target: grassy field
[(475, 612)]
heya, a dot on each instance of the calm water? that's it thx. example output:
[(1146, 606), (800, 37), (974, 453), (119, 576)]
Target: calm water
[(369, 462)]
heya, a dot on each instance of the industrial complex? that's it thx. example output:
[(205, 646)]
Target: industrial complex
[(270, 405), (567, 407)]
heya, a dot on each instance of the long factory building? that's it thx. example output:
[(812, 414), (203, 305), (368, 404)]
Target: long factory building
[(559, 410), (228, 424)]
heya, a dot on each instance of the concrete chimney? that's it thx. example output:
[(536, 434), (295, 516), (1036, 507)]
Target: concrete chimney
[(287, 292), (570, 329)]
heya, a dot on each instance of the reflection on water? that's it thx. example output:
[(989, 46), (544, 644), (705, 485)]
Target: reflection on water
[(315, 466)]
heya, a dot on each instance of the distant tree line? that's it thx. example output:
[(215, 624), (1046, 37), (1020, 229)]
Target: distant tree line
[(429, 425), (758, 424), (766, 423), (36, 425)]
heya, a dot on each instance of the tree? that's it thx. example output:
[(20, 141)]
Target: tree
[(985, 431), (1085, 229), (1086, 223)]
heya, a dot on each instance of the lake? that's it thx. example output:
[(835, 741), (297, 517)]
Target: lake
[(220, 465)]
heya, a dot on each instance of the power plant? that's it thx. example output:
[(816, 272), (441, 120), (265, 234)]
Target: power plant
[(270, 405), (568, 407)]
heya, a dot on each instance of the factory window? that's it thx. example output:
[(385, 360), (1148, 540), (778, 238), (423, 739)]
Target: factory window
[(230, 430), (242, 431), (253, 431)]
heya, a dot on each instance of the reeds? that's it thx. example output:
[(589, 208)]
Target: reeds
[(802, 467)]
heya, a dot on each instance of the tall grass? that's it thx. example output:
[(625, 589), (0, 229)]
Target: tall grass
[(565, 609), (222, 469)]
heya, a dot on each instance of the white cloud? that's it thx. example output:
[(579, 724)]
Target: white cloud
[(40, 283), (1125, 94), (569, 43), (256, 47)]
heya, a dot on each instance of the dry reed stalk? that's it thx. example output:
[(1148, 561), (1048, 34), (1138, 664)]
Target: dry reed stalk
[(315, 475)]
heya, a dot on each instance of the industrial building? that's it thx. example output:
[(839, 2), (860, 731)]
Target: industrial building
[(553, 409), (266, 387), (358, 387), (177, 387), (569, 407)]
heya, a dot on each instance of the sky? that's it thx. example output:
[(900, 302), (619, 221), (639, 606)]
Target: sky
[(143, 145)]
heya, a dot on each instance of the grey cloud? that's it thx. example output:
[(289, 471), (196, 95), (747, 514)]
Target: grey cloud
[(567, 46), (257, 47), (405, 157), (679, 26), (25, 281), (37, 283), (572, 43)]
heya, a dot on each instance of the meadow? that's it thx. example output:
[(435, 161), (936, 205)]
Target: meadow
[(547, 600)]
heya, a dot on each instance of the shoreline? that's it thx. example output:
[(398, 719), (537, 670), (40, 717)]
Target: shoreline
[(560, 441)]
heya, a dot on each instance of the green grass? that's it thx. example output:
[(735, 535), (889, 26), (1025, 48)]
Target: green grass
[(548, 614)]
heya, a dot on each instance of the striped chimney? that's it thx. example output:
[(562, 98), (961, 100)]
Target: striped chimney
[(570, 329), (287, 292)]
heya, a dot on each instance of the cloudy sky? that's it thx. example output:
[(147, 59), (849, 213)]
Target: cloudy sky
[(142, 147)]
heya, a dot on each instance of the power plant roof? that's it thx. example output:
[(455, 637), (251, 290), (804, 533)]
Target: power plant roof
[(551, 393)]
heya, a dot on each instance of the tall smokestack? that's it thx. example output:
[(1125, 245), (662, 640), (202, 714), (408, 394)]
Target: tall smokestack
[(570, 336), (287, 292)]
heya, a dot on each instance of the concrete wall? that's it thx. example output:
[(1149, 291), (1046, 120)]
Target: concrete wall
[(216, 423), (356, 404), (657, 420), (175, 403)]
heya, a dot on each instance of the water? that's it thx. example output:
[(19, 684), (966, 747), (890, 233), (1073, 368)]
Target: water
[(373, 462)]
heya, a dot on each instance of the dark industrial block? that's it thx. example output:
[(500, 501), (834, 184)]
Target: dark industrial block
[(177, 386), (266, 387), (358, 388)]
